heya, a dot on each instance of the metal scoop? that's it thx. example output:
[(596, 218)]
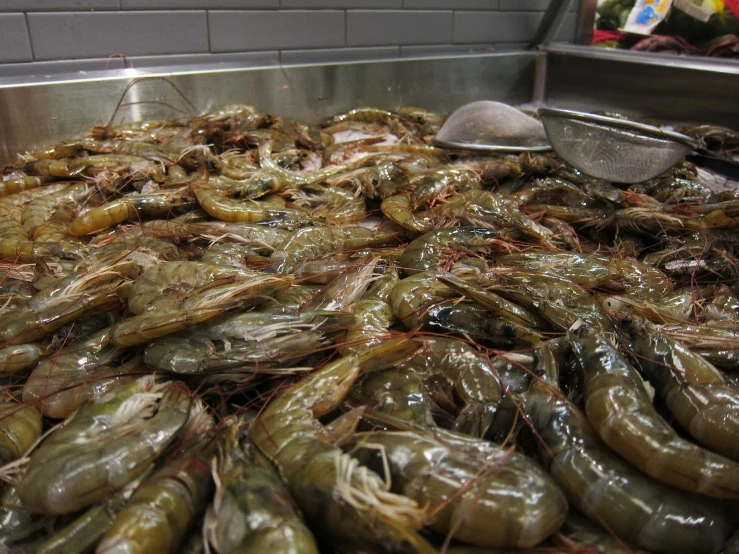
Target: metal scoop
[(492, 127), (623, 151)]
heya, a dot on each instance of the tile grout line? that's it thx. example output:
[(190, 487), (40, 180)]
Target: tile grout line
[(28, 31)]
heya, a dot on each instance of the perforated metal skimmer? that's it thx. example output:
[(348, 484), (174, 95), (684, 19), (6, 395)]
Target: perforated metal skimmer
[(613, 149), (492, 127)]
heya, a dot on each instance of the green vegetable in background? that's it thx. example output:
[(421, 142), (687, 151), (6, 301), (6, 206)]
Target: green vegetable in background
[(613, 13)]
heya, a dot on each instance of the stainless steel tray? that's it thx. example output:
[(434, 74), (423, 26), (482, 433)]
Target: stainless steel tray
[(34, 113), (38, 112)]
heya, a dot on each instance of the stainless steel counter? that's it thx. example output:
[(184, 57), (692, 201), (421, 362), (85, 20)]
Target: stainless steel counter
[(34, 113), (38, 112), (661, 86)]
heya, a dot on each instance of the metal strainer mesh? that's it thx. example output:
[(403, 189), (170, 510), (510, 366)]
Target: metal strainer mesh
[(621, 152), (492, 124)]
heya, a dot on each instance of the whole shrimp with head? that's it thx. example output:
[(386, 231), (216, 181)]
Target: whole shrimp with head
[(105, 444), (348, 503)]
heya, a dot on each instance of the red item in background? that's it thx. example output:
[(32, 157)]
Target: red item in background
[(725, 47), (667, 45), (602, 36), (733, 5)]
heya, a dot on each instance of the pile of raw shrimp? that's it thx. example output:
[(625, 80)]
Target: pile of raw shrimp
[(242, 333)]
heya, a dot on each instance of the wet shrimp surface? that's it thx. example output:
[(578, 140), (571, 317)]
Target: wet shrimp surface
[(243, 333)]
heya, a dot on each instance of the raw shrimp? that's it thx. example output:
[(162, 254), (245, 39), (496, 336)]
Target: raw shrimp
[(27, 251), (16, 246), (702, 400), (332, 205), (312, 242), (12, 230), (218, 204), (39, 214), (345, 289), (11, 206), (469, 374), (82, 370), (399, 392), (443, 247), (651, 221), (491, 210), (144, 251), (85, 531), (105, 444), (422, 301), (414, 296), (51, 308), (326, 269), (716, 342), (20, 428), (19, 357), (51, 168), (252, 510), (398, 208), (198, 307), (262, 239), (476, 492), (558, 300), (674, 309), (266, 353), (127, 147), (476, 324), (16, 521), (19, 184), (294, 178), (620, 409), (162, 510), (172, 296), (438, 184), (608, 490), (130, 207), (257, 326), (492, 302), (587, 270), (373, 315), (163, 285), (638, 279), (342, 499), (367, 180), (578, 534), (367, 114), (124, 168), (290, 300)]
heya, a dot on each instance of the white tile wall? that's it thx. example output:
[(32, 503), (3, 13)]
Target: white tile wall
[(355, 4), (57, 5), (72, 35), (495, 26), (198, 4), (447, 4), (64, 35), (234, 31), (386, 27), (15, 44)]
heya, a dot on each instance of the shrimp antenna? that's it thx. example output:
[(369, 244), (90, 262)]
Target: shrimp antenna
[(140, 79)]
